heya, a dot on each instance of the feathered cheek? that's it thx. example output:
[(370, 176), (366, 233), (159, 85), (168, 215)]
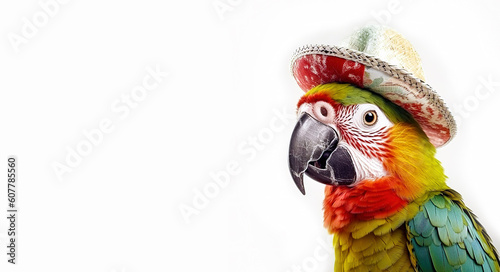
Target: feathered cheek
[(367, 167)]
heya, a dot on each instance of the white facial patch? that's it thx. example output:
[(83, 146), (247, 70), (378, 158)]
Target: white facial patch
[(368, 122), (366, 168)]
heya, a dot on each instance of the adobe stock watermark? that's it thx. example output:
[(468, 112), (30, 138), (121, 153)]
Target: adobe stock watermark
[(31, 25), (384, 16), (222, 7), (247, 151), (322, 252), (471, 103), (121, 108)]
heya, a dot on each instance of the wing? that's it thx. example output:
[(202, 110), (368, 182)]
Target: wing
[(446, 236)]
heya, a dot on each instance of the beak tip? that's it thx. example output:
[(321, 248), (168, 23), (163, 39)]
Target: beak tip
[(299, 181)]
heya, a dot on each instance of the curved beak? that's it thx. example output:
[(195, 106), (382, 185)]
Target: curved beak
[(314, 150)]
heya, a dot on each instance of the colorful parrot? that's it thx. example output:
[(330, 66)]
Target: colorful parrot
[(368, 129)]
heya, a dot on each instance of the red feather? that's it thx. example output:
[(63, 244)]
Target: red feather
[(370, 199)]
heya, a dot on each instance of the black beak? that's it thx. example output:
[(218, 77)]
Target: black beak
[(314, 150)]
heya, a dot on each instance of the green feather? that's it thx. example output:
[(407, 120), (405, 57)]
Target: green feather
[(439, 201), (438, 258), (435, 238), (468, 266), (462, 255), (438, 217), (478, 252), (456, 219), (491, 263), (446, 234), (453, 255), (424, 257), (486, 267), (420, 240), (468, 246), (427, 229)]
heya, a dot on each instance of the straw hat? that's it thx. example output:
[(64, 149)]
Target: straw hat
[(378, 59)]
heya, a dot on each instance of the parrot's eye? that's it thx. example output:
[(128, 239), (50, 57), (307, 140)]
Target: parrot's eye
[(370, 118)]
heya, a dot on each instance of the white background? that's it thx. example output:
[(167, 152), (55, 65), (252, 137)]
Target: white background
[(228, 76)]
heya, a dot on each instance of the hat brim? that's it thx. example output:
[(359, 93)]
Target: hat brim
[(319, 64)]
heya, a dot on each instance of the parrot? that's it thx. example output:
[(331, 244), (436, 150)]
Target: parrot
[(386, 201)]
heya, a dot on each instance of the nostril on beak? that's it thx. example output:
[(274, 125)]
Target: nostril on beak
[(324, 111)]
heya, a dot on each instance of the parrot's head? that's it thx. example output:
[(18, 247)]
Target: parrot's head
[(353, 138)]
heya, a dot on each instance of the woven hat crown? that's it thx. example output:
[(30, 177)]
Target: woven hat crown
[(387, 45)]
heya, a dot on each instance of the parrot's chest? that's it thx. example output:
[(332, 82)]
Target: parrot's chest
[(371, 252), (369, 226)]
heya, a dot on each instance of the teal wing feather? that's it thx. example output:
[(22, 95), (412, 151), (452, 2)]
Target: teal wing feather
[(446, 236)]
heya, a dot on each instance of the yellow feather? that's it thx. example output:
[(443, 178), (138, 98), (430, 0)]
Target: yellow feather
[(385, 262), (362, 228), (361, 244)]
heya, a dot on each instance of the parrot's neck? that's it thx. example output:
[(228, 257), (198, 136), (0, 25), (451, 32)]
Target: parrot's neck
[(368, 223), (369, 200), (366, 201)]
